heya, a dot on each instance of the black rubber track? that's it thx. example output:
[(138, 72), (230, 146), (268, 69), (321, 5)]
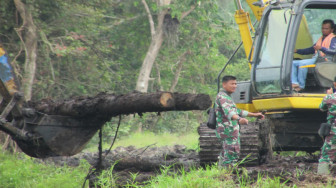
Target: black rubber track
[(250, 142)]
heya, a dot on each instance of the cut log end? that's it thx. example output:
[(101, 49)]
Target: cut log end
[(167, 100)]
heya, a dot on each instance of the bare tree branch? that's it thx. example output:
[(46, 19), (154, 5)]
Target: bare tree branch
[(158, 75), (184, 14), (180, 62), (20, 8), (125, 20), (150, 18)]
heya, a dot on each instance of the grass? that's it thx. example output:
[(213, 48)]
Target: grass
[(211, 176), (295, 153), (144, 139), (19, 170), (208, 177)]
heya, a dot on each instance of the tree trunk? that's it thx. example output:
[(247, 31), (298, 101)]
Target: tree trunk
[(147, 65), (159, 87), (154, 47), (156, 42), (30, 44), (109, 105)]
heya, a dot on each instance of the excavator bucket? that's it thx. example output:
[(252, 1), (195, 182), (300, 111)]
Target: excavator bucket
[(40, 135), (53, 135)]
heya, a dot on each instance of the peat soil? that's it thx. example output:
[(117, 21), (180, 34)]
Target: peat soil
[(146, 162)]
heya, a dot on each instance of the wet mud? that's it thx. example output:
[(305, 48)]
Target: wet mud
[(146, 163)]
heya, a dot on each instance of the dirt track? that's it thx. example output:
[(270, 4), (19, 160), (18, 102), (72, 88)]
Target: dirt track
[(147, 162)]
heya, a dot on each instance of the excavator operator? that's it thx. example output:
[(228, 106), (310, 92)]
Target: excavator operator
[(324, 50)]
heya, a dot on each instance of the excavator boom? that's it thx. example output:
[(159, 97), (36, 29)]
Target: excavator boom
[(244, 23)]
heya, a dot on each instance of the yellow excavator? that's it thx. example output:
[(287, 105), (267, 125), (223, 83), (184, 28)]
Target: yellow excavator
[(292, 118)]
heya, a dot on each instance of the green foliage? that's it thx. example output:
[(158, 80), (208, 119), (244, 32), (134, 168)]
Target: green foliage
[(86, 47), (107, 178), (240, 70), (176, 122), (21, 171)]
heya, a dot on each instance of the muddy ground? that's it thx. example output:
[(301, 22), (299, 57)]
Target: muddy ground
[(147, 162)]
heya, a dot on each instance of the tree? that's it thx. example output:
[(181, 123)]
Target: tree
[(156, 41), (29, 42)]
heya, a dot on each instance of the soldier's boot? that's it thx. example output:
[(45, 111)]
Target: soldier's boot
[(323, 168), (221, 164)]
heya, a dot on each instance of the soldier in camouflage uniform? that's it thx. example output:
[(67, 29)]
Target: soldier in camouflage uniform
[(328, 150), (228, 120)]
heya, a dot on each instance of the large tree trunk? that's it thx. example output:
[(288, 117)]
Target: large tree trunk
[(154, 47), (30, 44), (109, 105), (147, 65)]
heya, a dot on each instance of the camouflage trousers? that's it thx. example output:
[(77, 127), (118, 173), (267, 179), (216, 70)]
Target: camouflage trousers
[(230, 140), (328, 150)]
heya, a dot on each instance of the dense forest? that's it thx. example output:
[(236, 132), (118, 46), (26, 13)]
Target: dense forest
[(60, 49)]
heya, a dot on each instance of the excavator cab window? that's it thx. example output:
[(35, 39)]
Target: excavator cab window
[(268, 64), (282, 29), (321, 75)]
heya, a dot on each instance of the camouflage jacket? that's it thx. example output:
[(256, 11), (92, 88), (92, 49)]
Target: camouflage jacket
[(225, 109), (329, 103)]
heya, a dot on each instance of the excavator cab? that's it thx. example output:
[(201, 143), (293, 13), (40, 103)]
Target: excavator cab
[(286, 26), (283, 28)]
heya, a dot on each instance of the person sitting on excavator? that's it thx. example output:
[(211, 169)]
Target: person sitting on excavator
[(324, 50)]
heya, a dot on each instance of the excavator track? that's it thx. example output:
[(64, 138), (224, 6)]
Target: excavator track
[(210, 146), (252, 146)]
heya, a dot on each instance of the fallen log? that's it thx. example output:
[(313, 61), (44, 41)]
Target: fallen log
[(110, 105), (62, 128), (140, 159)]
